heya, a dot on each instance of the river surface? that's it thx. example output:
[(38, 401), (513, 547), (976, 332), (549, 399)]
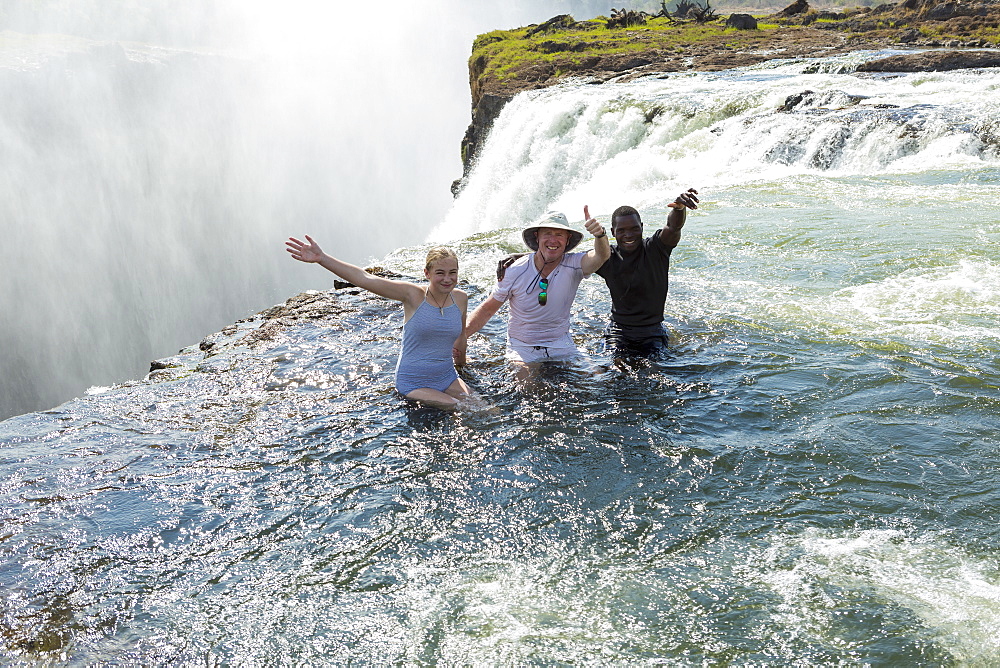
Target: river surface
[(810, 478)]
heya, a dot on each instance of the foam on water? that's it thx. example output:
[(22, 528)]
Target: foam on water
[(950, 305), (955, 593), (955, 304)]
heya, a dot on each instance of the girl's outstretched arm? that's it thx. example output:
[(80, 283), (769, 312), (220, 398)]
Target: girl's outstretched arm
[(309, 251)]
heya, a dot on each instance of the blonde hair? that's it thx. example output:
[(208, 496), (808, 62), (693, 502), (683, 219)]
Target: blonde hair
[(438, 253)]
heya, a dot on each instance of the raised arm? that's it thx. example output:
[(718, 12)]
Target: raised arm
[(601, 251), (309, 251), (670, 236)]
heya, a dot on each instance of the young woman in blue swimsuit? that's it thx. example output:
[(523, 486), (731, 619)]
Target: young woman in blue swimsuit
[(433, 319)]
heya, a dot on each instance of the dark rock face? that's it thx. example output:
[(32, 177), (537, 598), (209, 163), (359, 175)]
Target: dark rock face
[(561, 22), (624, 18), (933, 61), (797, 7), (741, 22), (551, 46), (629, 64), (484, 112), (793, 101), (808, 99)]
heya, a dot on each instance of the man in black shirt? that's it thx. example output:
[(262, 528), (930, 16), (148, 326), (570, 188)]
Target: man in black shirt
[(637, 278)]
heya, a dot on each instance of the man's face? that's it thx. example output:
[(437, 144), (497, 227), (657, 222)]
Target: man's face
[(627, 231), (552, 243)]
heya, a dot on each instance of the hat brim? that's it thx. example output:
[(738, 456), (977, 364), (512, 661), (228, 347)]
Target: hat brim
[(530, 235)]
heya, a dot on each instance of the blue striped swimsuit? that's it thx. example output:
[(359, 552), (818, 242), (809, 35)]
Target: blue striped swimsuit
[(425, 359)]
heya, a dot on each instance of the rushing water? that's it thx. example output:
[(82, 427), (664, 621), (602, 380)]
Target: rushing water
[(810, 478)]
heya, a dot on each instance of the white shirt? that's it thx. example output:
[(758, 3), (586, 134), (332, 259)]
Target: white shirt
[(531, 322)]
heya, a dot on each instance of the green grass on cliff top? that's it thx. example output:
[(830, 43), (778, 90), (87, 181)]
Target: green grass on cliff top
[(502, 53)]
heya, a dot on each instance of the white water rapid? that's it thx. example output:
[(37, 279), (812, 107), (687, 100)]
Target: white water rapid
[(642, 142)]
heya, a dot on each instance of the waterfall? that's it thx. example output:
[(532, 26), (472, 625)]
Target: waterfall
[(644, 141), (155, 158)]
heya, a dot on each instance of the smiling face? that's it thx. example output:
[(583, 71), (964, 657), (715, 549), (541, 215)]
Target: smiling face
[(552, 243), (627, 231), (442, 274)]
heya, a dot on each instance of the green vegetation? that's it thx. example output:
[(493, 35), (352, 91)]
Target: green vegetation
[(503, 54), (505, 60)]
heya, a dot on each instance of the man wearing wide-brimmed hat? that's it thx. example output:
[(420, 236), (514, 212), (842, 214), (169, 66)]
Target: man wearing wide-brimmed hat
[(540, 288)]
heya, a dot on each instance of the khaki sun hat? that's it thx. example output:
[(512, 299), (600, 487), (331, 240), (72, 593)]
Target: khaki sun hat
[(555, 221)]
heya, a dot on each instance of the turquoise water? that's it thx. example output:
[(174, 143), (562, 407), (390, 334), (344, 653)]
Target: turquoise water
[(809, 479)]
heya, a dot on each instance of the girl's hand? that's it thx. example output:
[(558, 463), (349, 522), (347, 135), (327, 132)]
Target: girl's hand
[(304, 252)]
